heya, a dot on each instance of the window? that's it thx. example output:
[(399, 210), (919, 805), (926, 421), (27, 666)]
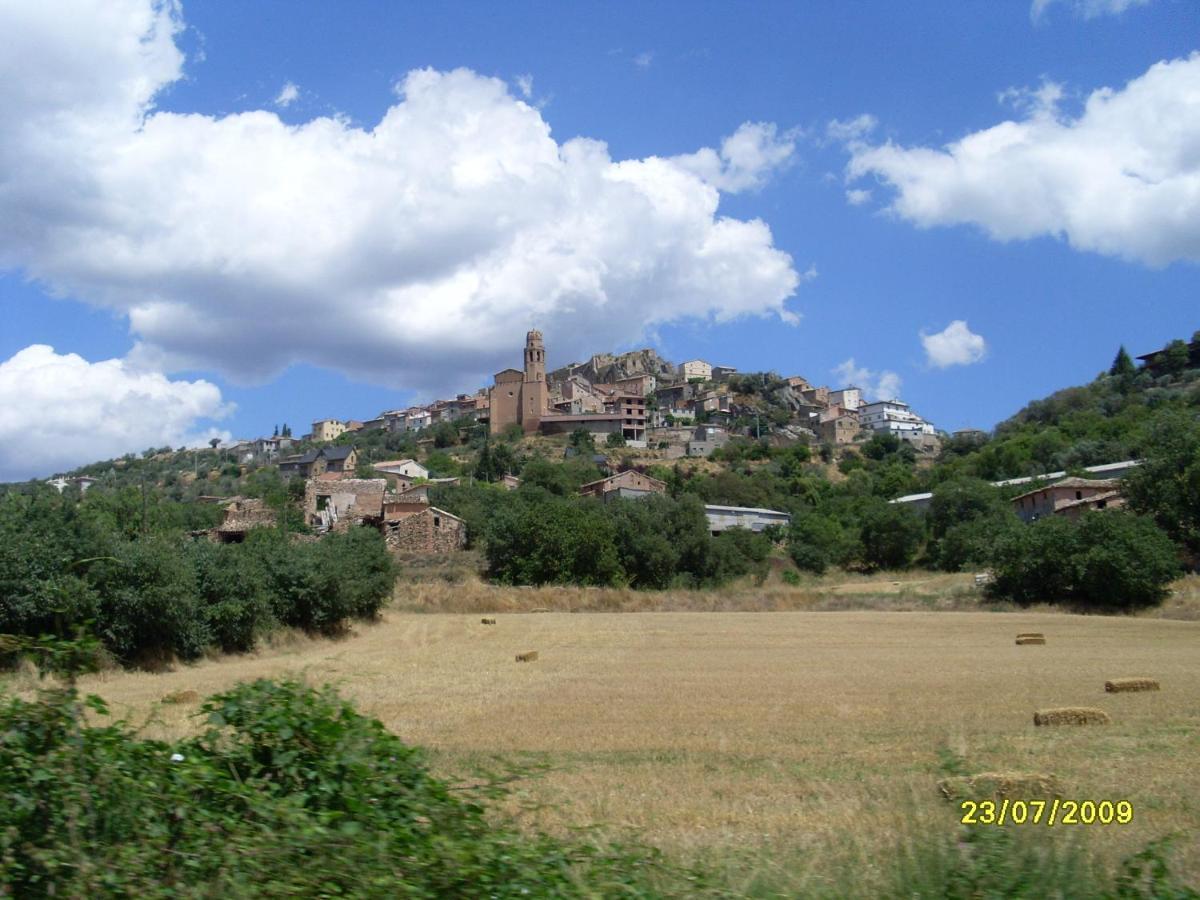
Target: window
[(1079, 495), (437, 521)]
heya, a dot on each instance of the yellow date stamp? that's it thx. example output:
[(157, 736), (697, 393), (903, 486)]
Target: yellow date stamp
[(1046, 812)]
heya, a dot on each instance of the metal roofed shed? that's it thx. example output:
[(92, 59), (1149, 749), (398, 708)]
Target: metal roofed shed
[(722, 518)]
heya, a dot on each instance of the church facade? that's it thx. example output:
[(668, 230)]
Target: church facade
[(522, 397)]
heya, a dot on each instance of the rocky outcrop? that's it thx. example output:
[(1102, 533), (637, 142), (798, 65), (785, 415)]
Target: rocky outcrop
[(606, 368)]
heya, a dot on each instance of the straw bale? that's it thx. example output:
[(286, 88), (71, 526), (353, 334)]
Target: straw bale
[(1030, 639), (1071, 715), (1123, 685), (1001, 785), (488, 621), (527, 657)]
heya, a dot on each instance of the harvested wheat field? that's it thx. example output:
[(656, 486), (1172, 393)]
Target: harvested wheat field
[(792, 731)]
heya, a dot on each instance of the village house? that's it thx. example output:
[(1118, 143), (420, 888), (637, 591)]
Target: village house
[(722, 373), (705, 439), (409, 468), (326, 429), (641, 385), (1157, 363), (340, 458), (838, 426), (894, 417), (628, 485), (696, 368), (1069, 497), (303, 465), (420, 528), (848, 398)]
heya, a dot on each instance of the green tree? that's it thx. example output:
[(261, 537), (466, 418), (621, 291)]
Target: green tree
[(1122, 365), (581, 439), (1166, 486), (1106, 560), (1176, 357), (615, 439), (815, 542), (891, 535)]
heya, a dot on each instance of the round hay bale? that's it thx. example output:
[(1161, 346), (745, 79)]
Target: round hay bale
[(1126, 685), (1071, 715)]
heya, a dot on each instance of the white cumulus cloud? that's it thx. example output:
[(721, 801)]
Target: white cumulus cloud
[(954, 345), (288, 95), (745, 160), (882, 385), (1122, 178), (1088, 9), (413, 252), (59, 411), (857, 196)]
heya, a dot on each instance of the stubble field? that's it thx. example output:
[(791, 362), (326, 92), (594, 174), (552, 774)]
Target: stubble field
[(806, 740)]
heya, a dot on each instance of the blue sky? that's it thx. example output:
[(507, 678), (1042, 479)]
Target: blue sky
[(222, 216)]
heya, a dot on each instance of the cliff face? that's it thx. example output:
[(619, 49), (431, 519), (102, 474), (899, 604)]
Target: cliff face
[(605, 368)]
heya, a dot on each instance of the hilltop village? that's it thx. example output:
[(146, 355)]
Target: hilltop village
[(636, 400)]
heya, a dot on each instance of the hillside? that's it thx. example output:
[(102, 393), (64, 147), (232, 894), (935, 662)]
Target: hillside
[(1104, 421)]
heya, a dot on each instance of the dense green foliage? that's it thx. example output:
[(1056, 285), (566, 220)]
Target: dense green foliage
[(154, 593), (288, 792), (543, 533), (1104, 561), (1167, 485)]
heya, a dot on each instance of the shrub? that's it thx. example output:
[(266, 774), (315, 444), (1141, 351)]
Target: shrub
[(289, 792), (149, 607), (234, 602)]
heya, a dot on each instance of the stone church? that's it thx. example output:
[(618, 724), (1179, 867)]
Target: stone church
[(522, 398)]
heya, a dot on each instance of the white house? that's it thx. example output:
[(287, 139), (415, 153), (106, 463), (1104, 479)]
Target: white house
[(410, 468), (417, 419), (893, 417)]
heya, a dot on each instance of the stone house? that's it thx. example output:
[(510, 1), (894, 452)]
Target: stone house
[(328, 501), (842, 427), (629, 484), (421, 528), (1068, 497), (303, 465), (341, 458), (696, 368)]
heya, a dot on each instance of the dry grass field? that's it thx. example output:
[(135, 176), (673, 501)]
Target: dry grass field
[(806, 740)]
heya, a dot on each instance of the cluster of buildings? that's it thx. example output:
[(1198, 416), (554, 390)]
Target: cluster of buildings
[(688, 409), (1056, 493)]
